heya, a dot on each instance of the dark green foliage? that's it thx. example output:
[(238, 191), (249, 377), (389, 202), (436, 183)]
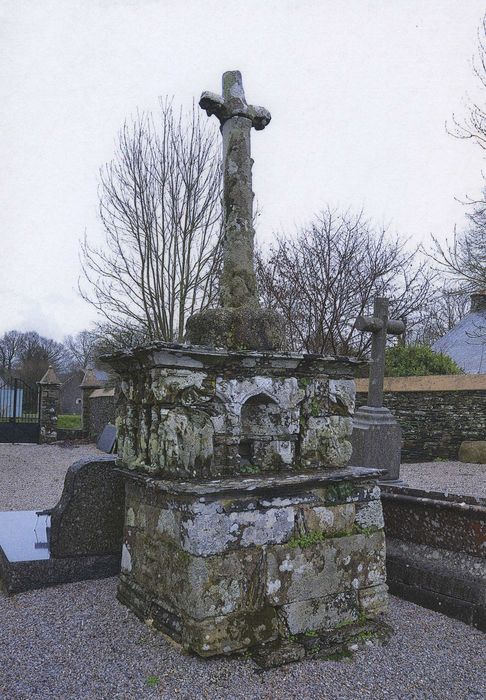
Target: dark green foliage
[(417, 361)]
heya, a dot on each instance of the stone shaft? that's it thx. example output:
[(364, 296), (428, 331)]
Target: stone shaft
[(238, 280), (378, 345)]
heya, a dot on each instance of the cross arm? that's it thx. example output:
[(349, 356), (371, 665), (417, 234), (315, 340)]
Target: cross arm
[(214, 104), (369, 323), (395, 327), (373, 324)]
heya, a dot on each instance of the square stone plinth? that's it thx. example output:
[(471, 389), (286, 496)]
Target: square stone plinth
[(189, 412), (229, 564)]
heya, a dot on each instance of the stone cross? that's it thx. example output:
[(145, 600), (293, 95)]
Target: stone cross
[(379, 325), (238, 279)]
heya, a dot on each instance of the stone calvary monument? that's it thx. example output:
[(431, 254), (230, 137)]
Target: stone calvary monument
[(377, 436), (244, 529)]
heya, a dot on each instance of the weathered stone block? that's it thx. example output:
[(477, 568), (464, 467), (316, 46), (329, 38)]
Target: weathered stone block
[(370, 515), (342, 394), (321, 613), (205, 535), (324, 568), (326, 440), (230, 633), (373, 600), (330, 520), (278, 654)]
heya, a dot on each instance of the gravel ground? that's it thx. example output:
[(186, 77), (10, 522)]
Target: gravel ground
[(458, 478), (32, 476), (76, 642)]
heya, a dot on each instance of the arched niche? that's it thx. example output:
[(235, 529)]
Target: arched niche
[(260, 425)]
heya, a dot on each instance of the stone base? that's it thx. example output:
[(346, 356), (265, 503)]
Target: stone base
[(226, 565), (331, 645), (243, 328), (376, 440)]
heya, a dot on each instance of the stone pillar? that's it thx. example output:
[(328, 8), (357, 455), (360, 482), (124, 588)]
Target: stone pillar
[(50, 405), (87, 386)]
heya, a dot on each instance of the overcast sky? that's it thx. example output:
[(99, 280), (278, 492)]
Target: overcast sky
[(359, 93)]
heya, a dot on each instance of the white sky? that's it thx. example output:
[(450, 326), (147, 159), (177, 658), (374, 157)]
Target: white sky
[(359, 93)]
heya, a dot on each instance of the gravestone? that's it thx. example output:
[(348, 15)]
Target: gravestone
[(80, 538), (107, 439), (244, 529), (377, 437)]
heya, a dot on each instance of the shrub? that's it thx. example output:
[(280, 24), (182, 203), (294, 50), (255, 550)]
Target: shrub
[(417, 361)]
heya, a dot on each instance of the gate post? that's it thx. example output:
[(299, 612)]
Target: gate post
[(50, 405), (88, 385)]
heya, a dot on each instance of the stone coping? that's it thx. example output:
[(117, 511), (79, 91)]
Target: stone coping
[(444, 382), (197, 356), (102, 393), (437, 499), (262, 485)]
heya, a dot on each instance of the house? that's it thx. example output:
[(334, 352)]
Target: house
[(466, 342)]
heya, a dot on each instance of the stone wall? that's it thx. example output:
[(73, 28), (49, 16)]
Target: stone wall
[(436, 554), (101, 410), (435, 413)]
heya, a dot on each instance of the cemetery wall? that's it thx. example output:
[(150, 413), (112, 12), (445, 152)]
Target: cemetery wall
[(435, 413), (435, 553)]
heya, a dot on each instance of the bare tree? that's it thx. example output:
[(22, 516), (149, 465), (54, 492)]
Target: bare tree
[(81, 349), (464, 258), (161, 212), (28, 355), (439, 315), (329, 273), (473, 126), (11, 345)]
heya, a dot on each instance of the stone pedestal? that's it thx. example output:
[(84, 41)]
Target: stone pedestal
[(377, 440), (228, 564), (243, 526)]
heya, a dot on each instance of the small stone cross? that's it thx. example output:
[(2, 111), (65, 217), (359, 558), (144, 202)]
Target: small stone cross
[(379, 325), (238, 279)]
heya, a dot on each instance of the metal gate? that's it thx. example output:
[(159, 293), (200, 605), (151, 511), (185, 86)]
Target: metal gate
[(19, 411)]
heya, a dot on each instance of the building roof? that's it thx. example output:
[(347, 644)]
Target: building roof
[(102, 393), (466, 342), (50, 377), (94, 378)]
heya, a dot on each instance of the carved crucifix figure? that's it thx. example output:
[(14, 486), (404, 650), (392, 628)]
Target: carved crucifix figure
[(380, 326), (238, 280)]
